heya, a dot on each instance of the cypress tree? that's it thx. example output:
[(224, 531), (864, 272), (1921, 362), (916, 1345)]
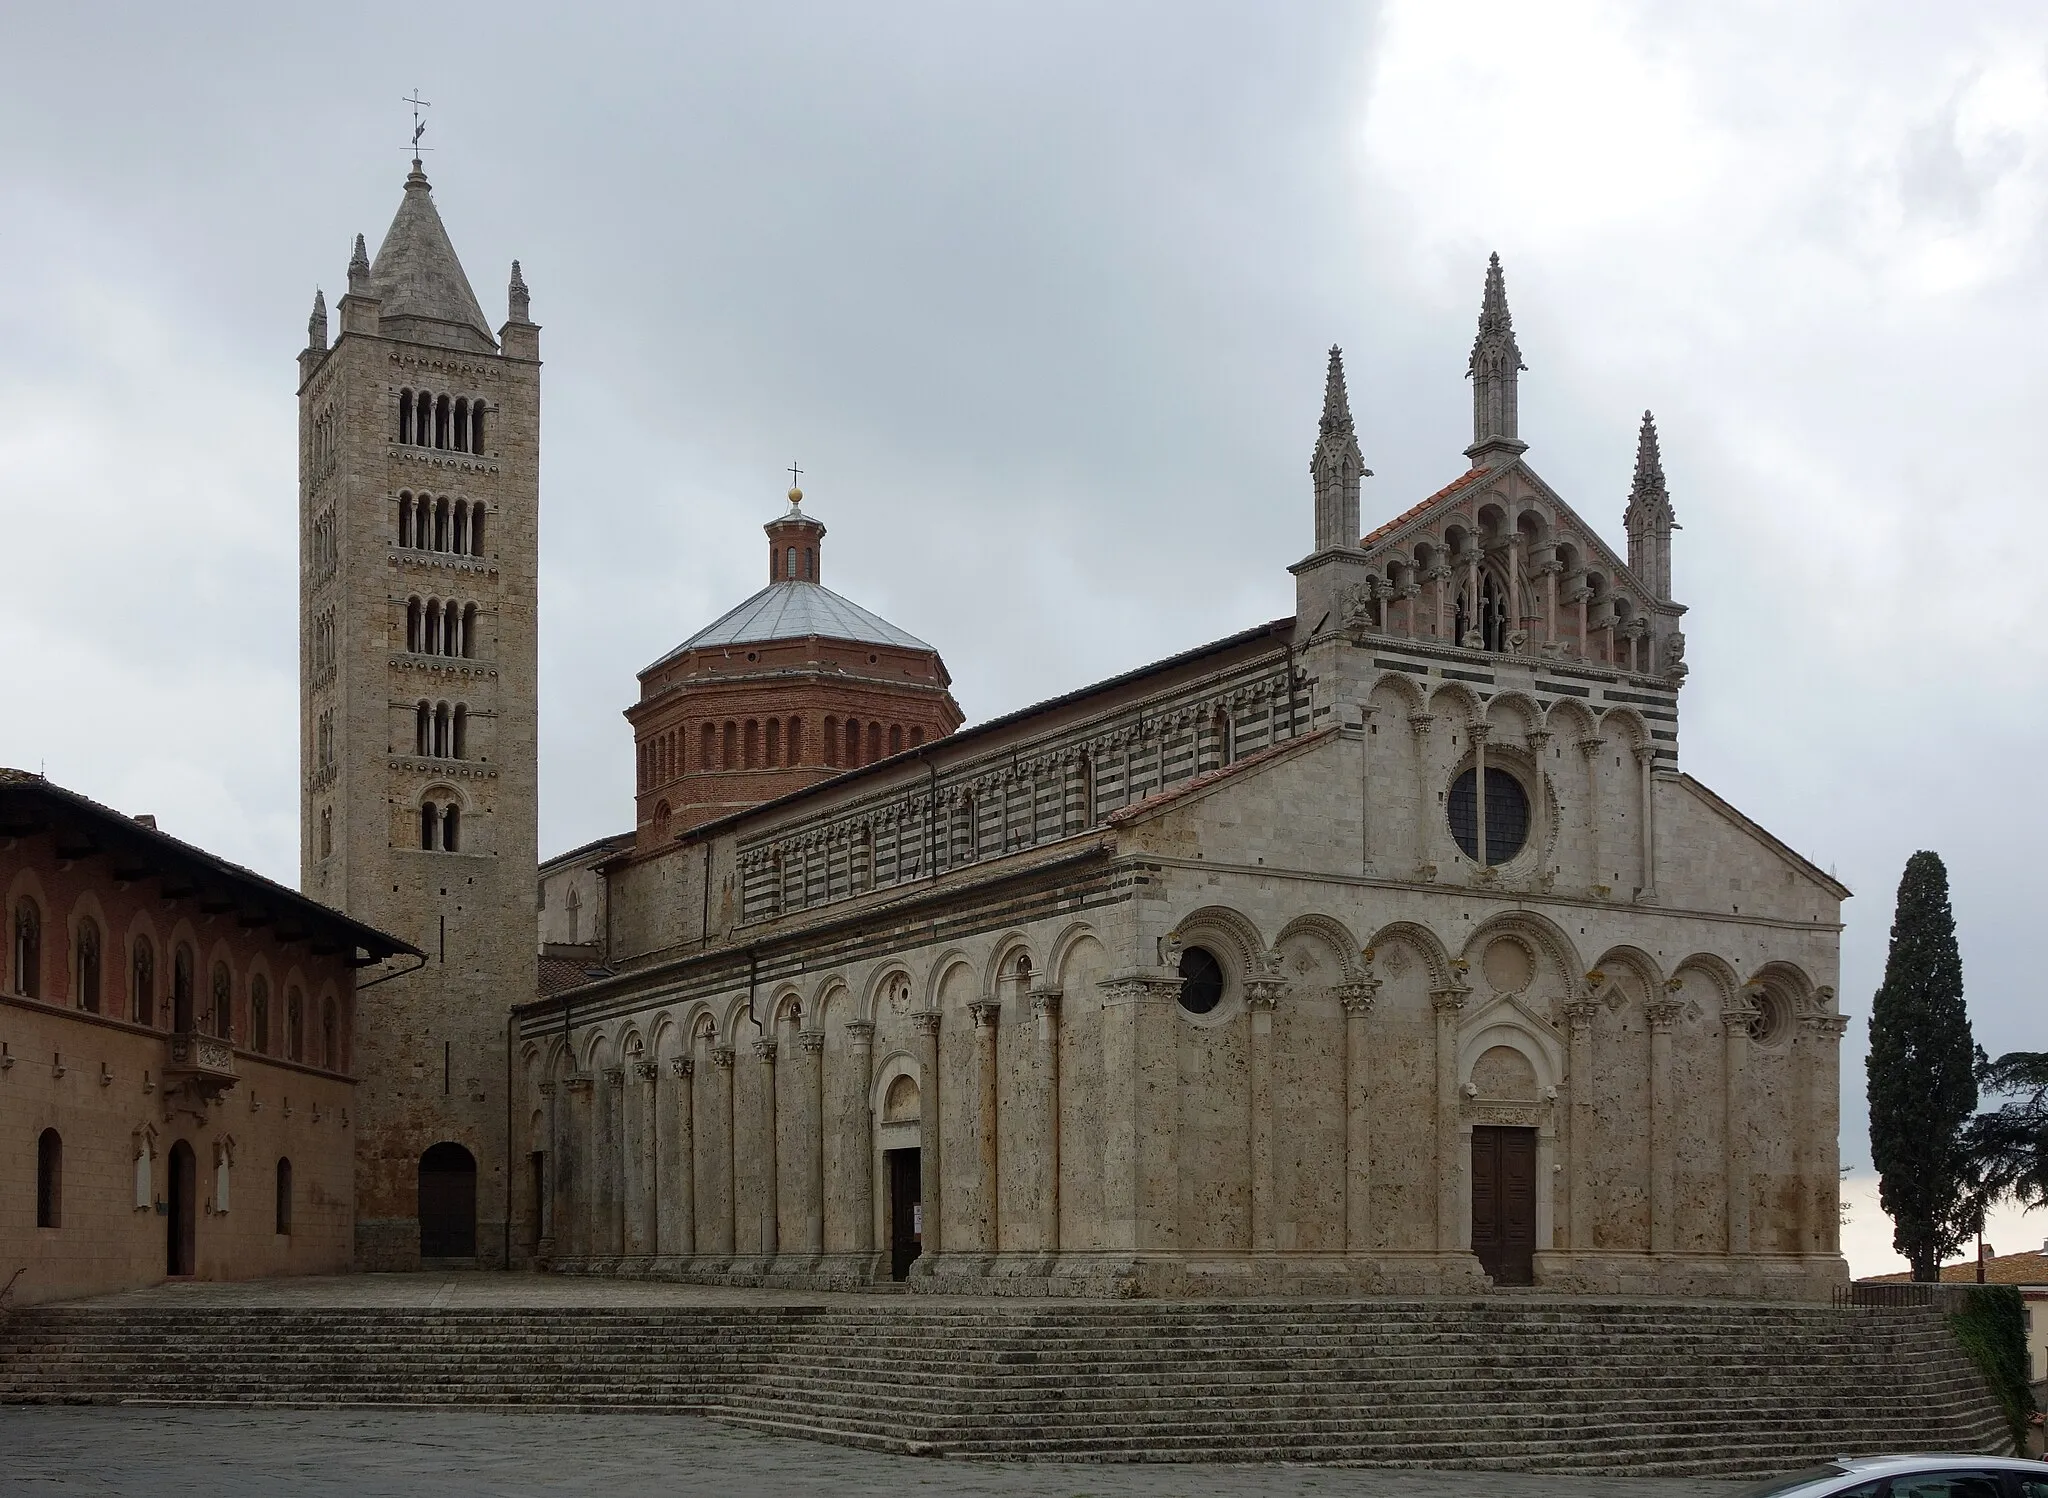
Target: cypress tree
[(1922, 1077)]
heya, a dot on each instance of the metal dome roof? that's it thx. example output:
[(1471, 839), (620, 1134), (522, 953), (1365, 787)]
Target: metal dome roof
[(796, 610)]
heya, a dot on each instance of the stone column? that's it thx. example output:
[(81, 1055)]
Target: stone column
[(927, 1024), (1045, 1009), (987, 1015), (611, 1156), (1418, 731), (1662, 1013), (1590, 748), (722, 1058), (1646, 755), (770, 1241), (1366, 714), (812, 1043), (1356, 999), (1448, 1002), (1480, 733), (576, 1173), (1514, 582), (1579, 1016), (685, 1149), (1737, 1020), (551, 1173), (1824, 1127), (860, 1133), (644, 1233), (1261, 992), (1538, 740)]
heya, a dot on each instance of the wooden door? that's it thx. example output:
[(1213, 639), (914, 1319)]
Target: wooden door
[(1504, 1203), (182, 1222), (906, 1188), (447, 1203)]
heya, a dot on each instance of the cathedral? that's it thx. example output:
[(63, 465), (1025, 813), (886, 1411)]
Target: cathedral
[(1381, 948)]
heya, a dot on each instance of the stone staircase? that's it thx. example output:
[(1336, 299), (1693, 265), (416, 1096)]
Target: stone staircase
[(1532, 1385)]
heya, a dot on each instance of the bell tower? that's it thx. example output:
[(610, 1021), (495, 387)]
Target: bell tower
[(419, 442)]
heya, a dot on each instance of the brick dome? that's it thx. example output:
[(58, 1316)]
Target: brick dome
[(793, 686)]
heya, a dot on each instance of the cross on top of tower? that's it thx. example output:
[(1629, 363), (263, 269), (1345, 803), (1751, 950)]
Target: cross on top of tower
[(796, 495), (419, 126)]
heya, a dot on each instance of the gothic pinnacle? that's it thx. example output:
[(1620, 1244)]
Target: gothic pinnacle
[(1648, 487), (1336, 401), (516, 296), (316, 325), (1495, 345), (359, 267)]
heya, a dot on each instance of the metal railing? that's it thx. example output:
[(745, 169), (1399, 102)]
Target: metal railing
[(1947, 1296)]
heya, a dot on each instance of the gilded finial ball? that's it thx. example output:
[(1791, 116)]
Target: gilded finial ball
[(796, 496)]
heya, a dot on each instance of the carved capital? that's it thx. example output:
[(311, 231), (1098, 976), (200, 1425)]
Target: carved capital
[(812, 1041), (926, 1021), (547, 1090), (1357, 998), (647, 1071), (1045, 1002), (580, 1083), (682, 1066), (1663, 1014), (723, 1056), (1580, 1014), (764, 1051), (1589, 747), (1261, 994), (1449, 1000), (1418, 724), (986, 1013), (861, 1032), (1539, 740), (1829, 1026), (1644, 753), (1479, 733)]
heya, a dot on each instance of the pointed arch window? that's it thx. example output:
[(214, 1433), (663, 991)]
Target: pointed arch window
[(88, 965), (223, 1014), (181, 990), (259, 1013), (28, 948), (330, 1054), (142, 983), (294, 1024)]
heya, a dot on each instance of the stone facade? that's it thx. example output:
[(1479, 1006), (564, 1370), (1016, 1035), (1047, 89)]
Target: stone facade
[(1381, 949), (419, 512), (176, 1058)]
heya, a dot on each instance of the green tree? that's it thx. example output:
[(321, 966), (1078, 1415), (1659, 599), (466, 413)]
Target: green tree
[(2008, 1146), (1922, 1076)]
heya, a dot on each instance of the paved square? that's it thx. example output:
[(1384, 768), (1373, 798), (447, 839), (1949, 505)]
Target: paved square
[(218, 1453)]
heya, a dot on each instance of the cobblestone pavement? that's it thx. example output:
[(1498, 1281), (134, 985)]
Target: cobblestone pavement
[(218, 1453)]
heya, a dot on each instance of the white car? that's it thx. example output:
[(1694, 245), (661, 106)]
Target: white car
[(1910, 1477)]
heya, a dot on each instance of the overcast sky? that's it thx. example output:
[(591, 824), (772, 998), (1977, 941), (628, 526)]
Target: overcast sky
[(1038, 295)]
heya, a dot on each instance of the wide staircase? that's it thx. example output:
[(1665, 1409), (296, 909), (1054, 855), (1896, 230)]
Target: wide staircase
[(1532, 1385)]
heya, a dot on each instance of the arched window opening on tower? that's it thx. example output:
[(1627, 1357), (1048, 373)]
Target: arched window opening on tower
[(461, 443), (451, 823), (476, 529), (223, 1013), (469, 631), (916, 737), (774, 743), (441, 730), (476, 426), (895, 738), (405, 520), (28, 948), (707, 754), (458, 746), (874, 742), (430, 827), (728, 756), (852, 742), (412, 625), (49, 1179), (832, 742), (326, 832), (405, 416), (88, 965), (423, 730), (441, 423), (142, 983), (796, 741), (181, 991), (1226, 738), (811, 563), (259, 1013)]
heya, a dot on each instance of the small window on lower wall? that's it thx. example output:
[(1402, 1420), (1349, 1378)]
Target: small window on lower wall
[(49, 1179), (284, 1198)]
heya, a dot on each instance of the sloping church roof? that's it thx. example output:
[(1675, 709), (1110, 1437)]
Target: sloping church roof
[(417, 273)]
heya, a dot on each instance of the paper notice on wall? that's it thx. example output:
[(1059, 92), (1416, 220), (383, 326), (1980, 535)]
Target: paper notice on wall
[(917, 1219)]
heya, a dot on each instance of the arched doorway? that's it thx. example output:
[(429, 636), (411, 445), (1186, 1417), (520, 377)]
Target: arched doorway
[(447, 1203), (181, 1223)]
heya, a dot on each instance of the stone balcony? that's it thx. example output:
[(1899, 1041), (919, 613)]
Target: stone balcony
[(199, 1065)]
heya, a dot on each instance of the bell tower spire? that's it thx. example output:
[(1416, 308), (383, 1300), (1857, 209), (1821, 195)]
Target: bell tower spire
[(1495, 370), (1649, 517), (1336, 465)]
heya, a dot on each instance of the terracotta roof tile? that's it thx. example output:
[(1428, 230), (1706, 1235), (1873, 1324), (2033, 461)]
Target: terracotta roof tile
[(2029, 1268), (559, 973), (1409, 514)]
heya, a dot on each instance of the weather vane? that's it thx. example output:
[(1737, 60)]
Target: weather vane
[(419, 126)]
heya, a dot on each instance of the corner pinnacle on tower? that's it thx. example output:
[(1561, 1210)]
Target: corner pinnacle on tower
[(1493, 369), (1336, 465), (1649, 518)]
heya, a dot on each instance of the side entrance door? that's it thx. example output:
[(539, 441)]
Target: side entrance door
[(906, 1188), (1504, 1203), (447, 1203)]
